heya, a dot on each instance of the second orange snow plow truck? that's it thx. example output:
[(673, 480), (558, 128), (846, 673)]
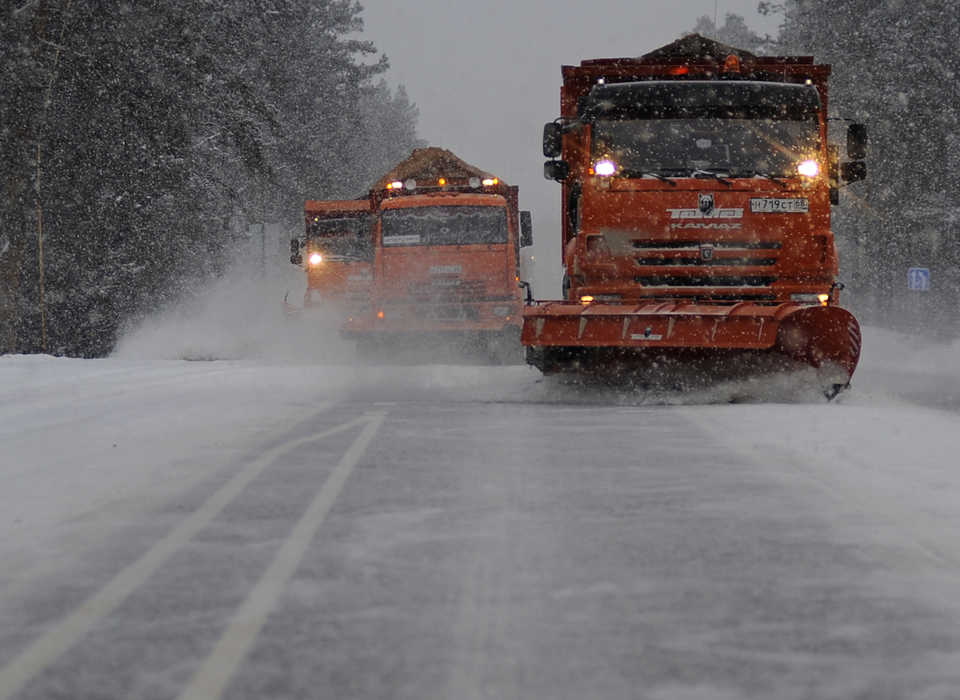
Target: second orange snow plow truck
[(337, 252), (446, 241), (697, 185)]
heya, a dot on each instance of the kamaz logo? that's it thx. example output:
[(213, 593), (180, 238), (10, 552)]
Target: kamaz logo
[(717, 213), (446, 269)]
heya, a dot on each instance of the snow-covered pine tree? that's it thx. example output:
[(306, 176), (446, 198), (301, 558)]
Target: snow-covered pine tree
[(172, 126)]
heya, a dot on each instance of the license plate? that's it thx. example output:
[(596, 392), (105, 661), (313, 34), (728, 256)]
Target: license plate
[(773, 205)]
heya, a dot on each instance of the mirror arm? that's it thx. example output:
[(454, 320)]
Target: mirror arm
[(529, 290)]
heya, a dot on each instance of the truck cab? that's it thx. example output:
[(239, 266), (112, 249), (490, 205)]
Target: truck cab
[(709, 190), (337, 253)]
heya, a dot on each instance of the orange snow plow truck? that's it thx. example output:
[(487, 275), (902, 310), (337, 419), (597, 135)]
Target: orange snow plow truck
[(697, 182), (443, 261)]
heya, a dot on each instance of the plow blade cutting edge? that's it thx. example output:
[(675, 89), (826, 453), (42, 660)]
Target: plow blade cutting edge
[(731, 341)]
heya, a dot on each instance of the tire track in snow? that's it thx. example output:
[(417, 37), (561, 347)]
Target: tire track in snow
[(58, 639)]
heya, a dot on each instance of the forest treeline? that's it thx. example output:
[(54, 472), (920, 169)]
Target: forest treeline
[(896, 67), (139, 140)]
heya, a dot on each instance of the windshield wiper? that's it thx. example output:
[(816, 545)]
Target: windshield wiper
[(651, 173), (716, 176), (757, 173)]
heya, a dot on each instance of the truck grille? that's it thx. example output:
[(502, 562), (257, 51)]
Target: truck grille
[(700, 282), (447, 289), (705, 265), (448, 312)]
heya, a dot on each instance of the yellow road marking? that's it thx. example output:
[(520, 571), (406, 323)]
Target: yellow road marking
[(35, 658), (211, 680)]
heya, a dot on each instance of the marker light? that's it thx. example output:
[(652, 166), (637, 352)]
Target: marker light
[(732, 64), (474, 182), (395, 186), (823, 299), (586, 299), (442, 181), (316, 258), (605, 168), (410, 184), (379, 314), (809, 168), (490, 181)]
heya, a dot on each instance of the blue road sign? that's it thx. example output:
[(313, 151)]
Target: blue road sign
[(918, 278)]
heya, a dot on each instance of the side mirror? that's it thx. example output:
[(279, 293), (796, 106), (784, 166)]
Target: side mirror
[(295, 256), (526, 229), (552, 140), (558, 170), (853, 171), (857, 141)]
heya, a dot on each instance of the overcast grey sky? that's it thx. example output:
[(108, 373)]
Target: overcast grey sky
[(485, 75)]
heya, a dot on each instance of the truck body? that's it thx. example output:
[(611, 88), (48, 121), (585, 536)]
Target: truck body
[(697, 183), (439, 263)]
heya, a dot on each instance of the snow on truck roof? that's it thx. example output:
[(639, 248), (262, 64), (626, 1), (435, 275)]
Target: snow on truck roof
[(695, 48), (431, 164)]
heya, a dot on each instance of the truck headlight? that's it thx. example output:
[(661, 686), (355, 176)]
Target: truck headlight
[(604, 168), (808, 168)]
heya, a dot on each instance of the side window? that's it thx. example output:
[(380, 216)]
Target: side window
[(573, 209)]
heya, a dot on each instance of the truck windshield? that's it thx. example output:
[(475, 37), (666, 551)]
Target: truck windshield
[(444, 225), (771, 147), (343, 239)]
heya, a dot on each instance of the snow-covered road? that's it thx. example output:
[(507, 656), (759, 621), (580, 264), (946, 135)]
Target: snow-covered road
[(251, 529)]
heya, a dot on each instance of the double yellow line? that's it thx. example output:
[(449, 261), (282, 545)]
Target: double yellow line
[(211, 680)]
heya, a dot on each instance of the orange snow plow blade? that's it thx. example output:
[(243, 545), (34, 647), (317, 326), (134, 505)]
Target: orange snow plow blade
[(746, 338)]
